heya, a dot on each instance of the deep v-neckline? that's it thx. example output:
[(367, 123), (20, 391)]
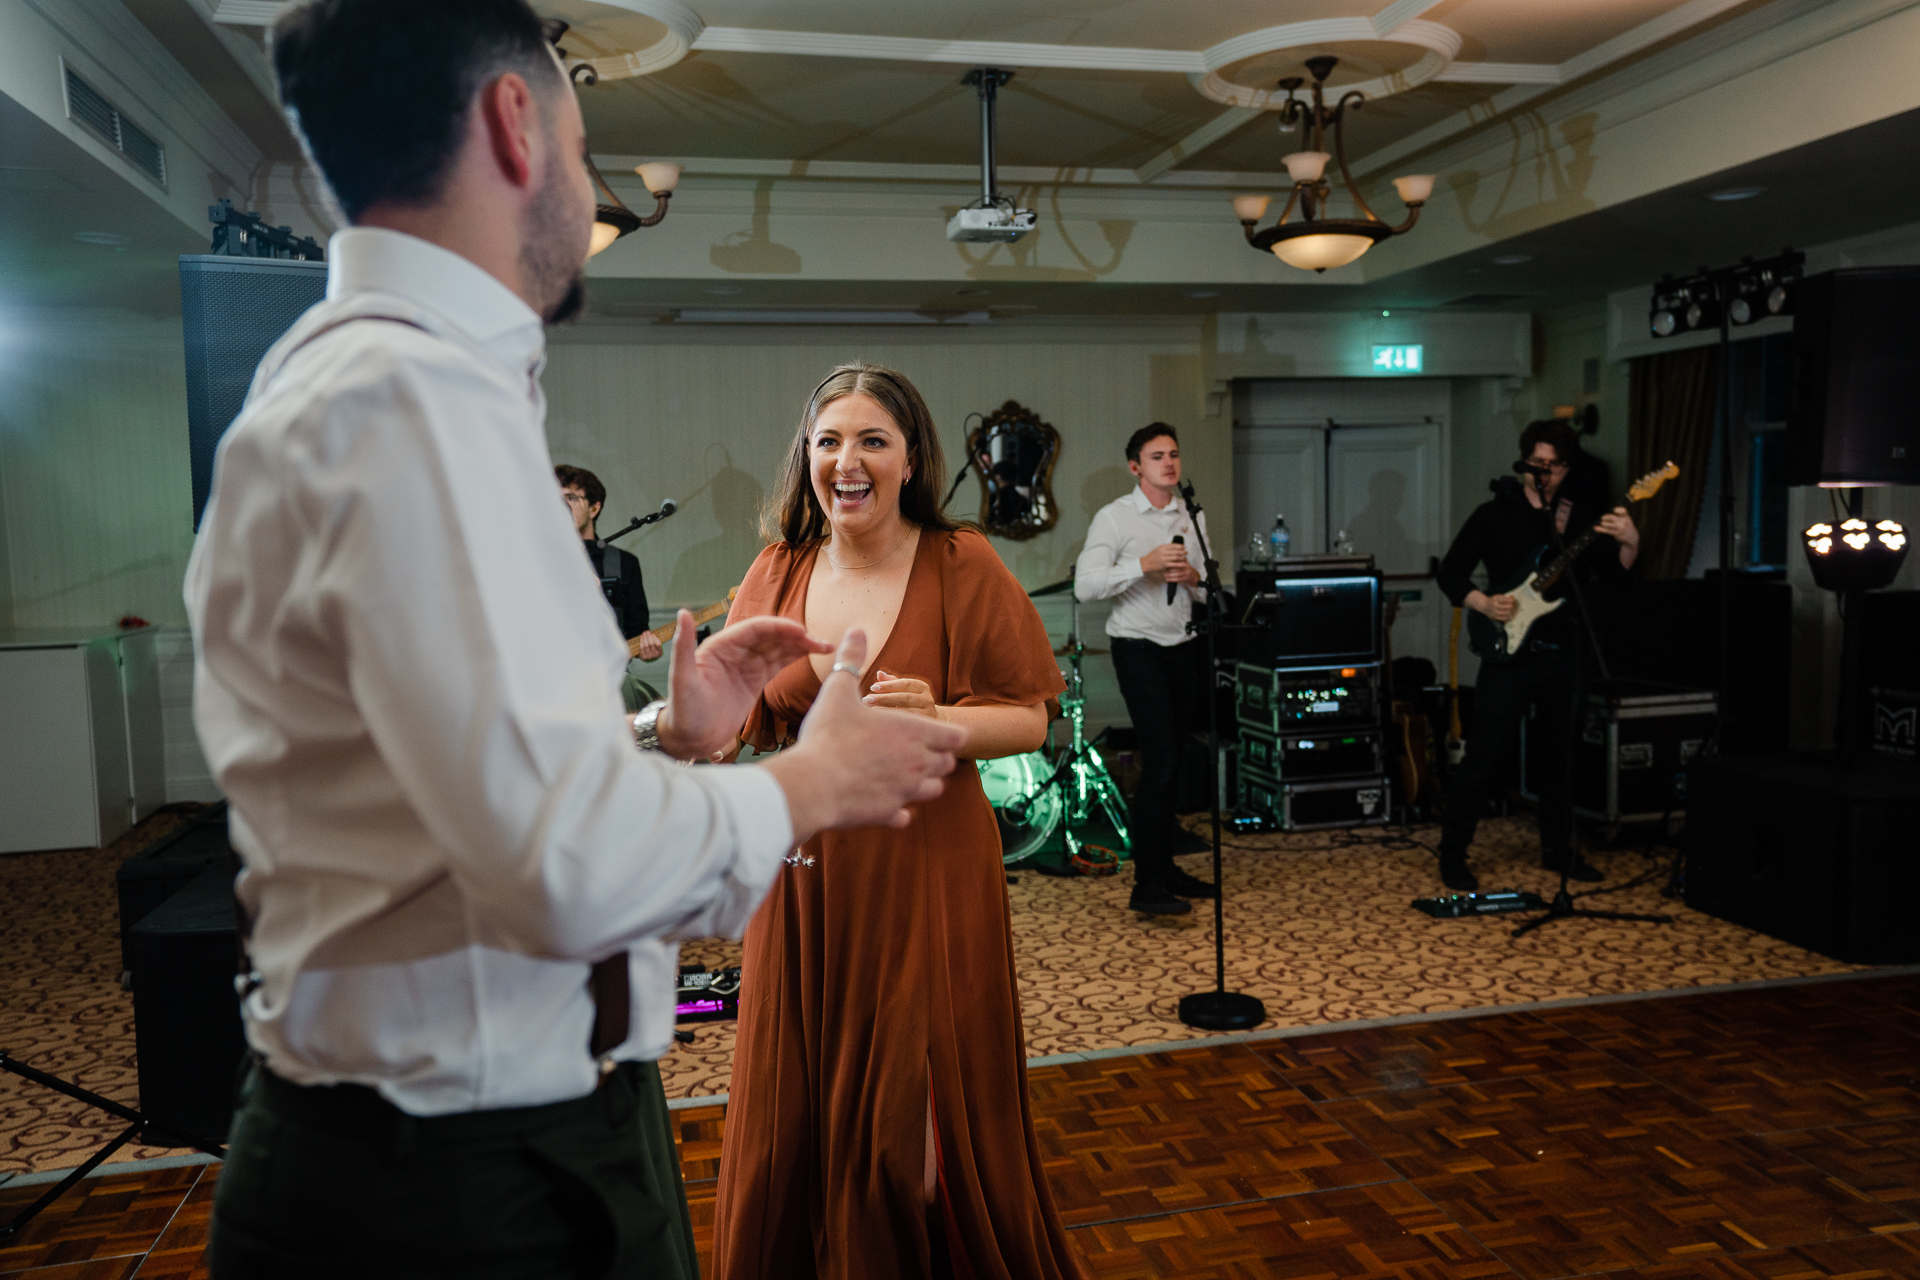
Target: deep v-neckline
[(906, 595)]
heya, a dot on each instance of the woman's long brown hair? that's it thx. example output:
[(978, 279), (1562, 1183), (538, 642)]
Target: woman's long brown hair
[(793, 515)]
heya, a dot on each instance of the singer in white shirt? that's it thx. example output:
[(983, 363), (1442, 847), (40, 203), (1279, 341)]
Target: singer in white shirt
[(407, 683), (1138, 554)]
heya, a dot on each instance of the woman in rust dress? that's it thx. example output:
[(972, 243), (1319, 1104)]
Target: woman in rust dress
[(879, 1126)]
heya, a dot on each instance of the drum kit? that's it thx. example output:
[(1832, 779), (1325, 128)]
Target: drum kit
[(1035, 796)]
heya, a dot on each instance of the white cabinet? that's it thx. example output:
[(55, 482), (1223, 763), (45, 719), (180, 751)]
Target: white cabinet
[(81, 755)]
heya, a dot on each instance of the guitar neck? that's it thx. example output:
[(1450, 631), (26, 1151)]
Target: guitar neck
[(1551, 574), (664, 634)]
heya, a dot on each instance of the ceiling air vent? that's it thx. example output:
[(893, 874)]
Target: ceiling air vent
[(92, 109)]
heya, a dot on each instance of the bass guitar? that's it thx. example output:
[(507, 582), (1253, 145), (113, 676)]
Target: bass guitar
[(665, 634), (1499, 642)]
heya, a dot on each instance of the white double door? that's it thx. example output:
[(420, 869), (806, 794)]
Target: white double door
[(1359, 456)]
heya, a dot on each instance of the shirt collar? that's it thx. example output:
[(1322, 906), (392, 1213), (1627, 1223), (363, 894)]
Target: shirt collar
[(376, 260), (1144, 507)]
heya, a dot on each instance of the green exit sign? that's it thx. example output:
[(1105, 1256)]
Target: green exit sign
[(1403, 358)]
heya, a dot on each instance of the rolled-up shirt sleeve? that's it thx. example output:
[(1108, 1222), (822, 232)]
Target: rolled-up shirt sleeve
[(1102, 572)]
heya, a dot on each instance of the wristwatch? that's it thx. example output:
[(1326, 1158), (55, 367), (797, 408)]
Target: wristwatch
[(646, 726)]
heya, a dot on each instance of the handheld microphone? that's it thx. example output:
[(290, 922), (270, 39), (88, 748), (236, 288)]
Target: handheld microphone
[(1178, 541)]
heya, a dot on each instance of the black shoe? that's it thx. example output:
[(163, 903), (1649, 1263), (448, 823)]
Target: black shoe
[(1583, 870), (1154, 900), (1182, 885), (1454, 873)]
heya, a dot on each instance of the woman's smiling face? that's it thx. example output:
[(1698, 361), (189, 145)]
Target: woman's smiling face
[(858, 460)]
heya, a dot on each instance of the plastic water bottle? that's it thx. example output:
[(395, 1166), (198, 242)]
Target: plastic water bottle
[(1280, 541), (1258, 552), (1342, 544)]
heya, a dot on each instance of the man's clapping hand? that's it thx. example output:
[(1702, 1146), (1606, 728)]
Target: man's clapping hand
[(713, 688)]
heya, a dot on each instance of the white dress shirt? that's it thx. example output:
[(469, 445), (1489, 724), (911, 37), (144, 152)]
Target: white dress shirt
[(1123, 531), (407, 683)]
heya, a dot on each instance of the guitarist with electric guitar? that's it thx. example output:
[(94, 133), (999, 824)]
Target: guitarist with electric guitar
[(1532, 536)]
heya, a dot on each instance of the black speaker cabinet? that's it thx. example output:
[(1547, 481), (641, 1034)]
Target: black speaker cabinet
[(1798, 848), (1855, 417), (165, 867), (231, 311), (186, 1016)]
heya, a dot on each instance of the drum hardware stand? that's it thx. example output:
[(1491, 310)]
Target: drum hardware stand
[(1079, 768), (1562, 908), (1218, 1009), (136, 1123)]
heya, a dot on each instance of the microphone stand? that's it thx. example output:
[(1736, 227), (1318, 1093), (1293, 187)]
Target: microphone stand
[(1218, 1009), (638, 522)]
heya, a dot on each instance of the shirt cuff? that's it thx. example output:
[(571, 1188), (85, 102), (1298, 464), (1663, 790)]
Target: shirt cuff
[(763, 830), (1124, 574)]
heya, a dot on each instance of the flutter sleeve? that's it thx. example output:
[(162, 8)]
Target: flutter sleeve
[(760, 594), (998, 653)]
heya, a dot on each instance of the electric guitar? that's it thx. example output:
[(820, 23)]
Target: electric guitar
[(1499, 642), (665, 634)]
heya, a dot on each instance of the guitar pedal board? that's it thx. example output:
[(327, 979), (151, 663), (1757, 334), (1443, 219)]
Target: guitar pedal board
[(707, 995), (1452, 906)]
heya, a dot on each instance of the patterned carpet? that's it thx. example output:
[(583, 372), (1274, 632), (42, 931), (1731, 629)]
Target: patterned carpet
[(1318, 927)]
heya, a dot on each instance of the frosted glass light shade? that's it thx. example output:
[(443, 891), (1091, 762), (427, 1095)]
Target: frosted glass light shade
[(1306, 166), (604, 234), (1250, 208), (1318, 252), (659, 176), (1415, 188)]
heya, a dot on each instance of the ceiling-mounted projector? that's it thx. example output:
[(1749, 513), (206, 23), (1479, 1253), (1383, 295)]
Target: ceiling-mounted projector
[(993, 218)]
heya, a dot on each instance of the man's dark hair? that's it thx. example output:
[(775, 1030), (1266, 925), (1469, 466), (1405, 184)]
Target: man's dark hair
[(1152, 431), (584, 480), (379, 89), (1557, 432)]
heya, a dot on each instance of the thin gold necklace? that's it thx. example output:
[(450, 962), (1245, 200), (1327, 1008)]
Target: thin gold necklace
[(844, 568)]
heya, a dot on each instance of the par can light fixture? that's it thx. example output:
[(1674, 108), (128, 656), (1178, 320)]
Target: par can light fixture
[(1855, 555), (1749, 292)]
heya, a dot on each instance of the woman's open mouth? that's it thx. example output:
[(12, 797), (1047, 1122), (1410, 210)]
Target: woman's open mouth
[(851, 493)]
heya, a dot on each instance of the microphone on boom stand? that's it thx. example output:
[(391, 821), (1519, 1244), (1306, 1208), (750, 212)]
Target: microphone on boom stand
[(1178, 541), (1218, 1009), (667, 508)]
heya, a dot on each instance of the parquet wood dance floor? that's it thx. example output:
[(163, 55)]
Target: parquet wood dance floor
[(1768, 1134)]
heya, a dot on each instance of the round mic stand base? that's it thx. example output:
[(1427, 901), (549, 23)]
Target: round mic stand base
[(1222, 1011)]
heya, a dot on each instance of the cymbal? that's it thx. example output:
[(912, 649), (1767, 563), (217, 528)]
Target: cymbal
[(1052, 588), (1066, 649)]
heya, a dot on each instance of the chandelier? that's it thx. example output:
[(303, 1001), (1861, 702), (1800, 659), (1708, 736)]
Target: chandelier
[(1314, 241), (611, 217)]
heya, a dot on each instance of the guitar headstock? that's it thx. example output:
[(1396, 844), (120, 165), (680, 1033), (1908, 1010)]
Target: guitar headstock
[(1649, 484)]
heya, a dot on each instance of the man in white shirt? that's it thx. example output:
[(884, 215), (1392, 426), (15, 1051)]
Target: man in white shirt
[(461, 881), (1137, 554)]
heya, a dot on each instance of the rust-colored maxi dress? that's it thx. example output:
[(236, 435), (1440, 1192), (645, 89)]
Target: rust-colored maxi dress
[(886, 967)]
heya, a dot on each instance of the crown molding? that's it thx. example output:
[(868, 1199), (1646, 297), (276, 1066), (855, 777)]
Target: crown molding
[(959, 52), (618, 170)]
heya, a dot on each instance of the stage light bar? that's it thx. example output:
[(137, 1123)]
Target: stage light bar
[(1855, 556)]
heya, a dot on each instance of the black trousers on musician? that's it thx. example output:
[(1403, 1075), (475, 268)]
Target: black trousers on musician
[(322, 1183), (1546, 681), (1166, 690)]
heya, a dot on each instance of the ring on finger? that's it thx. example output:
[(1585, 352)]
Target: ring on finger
[(847, 667)]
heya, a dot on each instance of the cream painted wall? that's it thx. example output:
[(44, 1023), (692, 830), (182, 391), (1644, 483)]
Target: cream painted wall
[(94, 487), (704, 416)]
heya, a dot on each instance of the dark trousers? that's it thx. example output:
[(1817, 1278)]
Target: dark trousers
[(332, 1182), (1165, 687), (1547, 682)]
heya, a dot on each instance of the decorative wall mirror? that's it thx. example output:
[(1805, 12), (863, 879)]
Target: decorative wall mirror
[(1013, 453)]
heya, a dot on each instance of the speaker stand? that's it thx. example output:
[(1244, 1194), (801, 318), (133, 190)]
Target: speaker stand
[(137, 1123)]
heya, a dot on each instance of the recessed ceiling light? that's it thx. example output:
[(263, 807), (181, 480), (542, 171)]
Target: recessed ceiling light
[(1203, 293), (1726, 195), (971, 293), (723, 290), (111, 239), (1512, 259)]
